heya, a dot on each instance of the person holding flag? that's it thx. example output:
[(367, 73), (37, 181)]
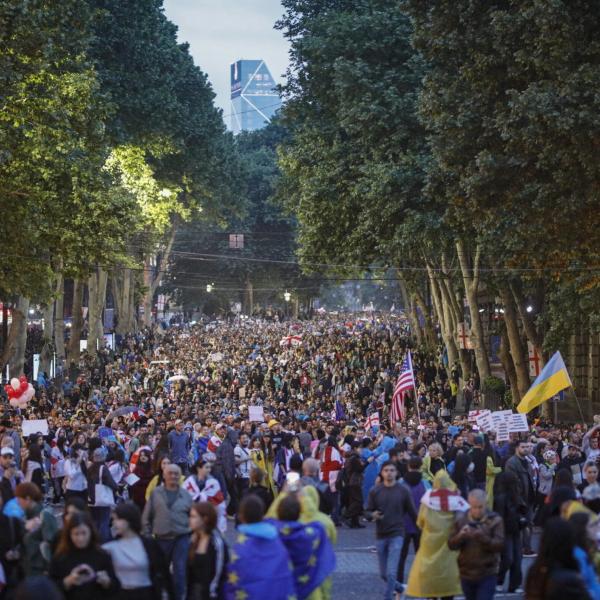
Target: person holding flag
[(406, 382)]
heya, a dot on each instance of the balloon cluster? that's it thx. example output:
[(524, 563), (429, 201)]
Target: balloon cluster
[(19, 392)]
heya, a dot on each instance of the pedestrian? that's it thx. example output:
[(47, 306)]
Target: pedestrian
[(143, 471), (555, 573), (434, 572), (101, 492), (243, 464), (179, 446), (585, 549), (139, 563), (387, 504), (11, 538), (79, 567), (353, 469), (308, 546), (75, 482), (479, 538), (166, 517), (208, 555), (41, 528), (412, 534), (259, 564)]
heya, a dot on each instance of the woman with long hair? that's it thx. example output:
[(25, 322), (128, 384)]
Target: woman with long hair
[(75, 482), (57, 467), (143, 471), (263, 457), (208, 555), (138, 561), (160, 462), (555, 573), (461, 474), (33, 466), (80, 568)]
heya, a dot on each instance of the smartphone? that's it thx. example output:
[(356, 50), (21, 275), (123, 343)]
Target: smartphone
[(293, 480)]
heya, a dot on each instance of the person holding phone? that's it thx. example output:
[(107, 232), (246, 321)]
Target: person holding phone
[(80, 568)]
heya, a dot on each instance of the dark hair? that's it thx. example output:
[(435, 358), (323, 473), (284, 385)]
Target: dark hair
[(208, 512), (65, 544), (28, 490), (77, 502), (388, 463), (415, 463), (551, 556), (579, 522), (289, 508), (129, 512), (156, 467), (199, 464), (296, 463), (461, 464), (252, 509)]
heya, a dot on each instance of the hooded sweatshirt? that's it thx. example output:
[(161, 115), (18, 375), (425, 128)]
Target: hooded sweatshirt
[(413, 480)]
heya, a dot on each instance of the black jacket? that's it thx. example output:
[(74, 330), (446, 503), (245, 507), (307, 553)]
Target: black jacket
[(159, 569)]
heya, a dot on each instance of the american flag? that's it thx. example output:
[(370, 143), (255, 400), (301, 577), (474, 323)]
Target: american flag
[(406, 381)]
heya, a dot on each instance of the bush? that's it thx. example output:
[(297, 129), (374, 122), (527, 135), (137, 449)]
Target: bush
[(494, 385)]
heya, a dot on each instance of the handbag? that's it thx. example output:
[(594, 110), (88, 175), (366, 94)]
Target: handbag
[(102, 493)]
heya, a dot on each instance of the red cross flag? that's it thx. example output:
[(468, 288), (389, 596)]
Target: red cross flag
[(464, 337), (535, 360)]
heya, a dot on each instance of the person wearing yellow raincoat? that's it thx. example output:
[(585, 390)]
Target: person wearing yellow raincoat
[(490, 476), (434, 573)]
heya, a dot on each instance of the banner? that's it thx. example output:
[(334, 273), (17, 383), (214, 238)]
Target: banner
[(256, 413), (34, 426)]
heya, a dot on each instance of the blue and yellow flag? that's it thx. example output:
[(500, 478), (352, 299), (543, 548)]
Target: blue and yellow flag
[(553, 379)]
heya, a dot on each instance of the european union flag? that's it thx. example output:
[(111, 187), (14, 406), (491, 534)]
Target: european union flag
[(259, 565), (311, 554)]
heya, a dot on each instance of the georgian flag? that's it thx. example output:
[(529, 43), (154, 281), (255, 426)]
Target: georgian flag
[(210, 493)]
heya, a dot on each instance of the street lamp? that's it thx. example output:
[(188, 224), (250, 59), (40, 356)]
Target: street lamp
[(529, 308), (287, 296), (209, 287)]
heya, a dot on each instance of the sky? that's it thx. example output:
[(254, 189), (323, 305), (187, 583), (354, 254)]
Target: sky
[(222, 31)]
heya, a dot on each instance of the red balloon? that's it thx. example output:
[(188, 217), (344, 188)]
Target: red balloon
[(22, 378), (24, 385), (10, 391)]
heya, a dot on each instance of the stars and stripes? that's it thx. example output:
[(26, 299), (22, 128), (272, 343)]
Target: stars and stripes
[(406, 382)]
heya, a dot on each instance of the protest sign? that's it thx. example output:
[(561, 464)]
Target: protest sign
[(500, 420), (485, 422), (474, 414), (517, 422), (256, 413), (34, 426)]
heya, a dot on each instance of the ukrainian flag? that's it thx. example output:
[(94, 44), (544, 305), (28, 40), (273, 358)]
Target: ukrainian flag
[(553, 379)]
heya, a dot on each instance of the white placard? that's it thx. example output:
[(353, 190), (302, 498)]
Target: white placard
[(34, 426), (36, 366), (256, 413), (517, 422), (82, 345), (131, 479), (500, 421), (485, 423), (475, 414)]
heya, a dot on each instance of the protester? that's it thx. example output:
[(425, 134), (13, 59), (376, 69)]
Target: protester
[(434, 572), (388, 503), (166, 517), (80, 568), (139, 563), (208, 555), (479, 538)]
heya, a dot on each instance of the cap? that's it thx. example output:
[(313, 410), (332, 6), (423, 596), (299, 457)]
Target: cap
[(7, 451), (273, 422), (178, 421)]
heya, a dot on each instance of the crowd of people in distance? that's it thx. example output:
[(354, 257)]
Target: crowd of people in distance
[(219, 459)]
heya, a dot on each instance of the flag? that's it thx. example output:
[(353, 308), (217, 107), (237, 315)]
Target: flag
[(406, 381), (372, 421), (553, 379), (340, 414)]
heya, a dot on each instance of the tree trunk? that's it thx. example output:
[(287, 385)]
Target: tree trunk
[(443, 318), (507, 363), (96, 300), (249, 297), (18, 336), (122, 285), (517, 352), (430, 335), (410, 309), (47, 351), (59, 321), (471, 284), (76, 322), (152, 280)]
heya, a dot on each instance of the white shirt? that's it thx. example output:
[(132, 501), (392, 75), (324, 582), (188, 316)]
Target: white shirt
[(130, 561), (243, 469), (76, 480)]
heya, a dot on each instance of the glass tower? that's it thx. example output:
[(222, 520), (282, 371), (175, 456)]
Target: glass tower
[(254, 99)]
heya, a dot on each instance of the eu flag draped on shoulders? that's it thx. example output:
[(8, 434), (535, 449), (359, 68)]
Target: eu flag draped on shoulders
[(553, 379), (311, 554), (259, 565)]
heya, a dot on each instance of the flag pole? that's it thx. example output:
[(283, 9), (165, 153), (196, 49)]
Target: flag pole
[(415, 387)]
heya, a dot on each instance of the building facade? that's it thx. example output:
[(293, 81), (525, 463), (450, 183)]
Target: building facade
[(254, 99)]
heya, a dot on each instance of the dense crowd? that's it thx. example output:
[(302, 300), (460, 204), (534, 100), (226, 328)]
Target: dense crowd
[(157, 450)]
